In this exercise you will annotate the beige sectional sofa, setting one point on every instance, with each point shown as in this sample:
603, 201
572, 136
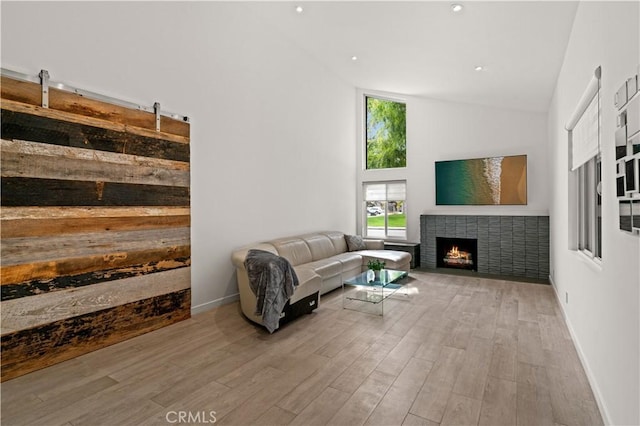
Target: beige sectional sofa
321, 260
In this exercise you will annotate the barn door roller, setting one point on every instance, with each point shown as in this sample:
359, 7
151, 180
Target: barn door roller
156, 108
44, 81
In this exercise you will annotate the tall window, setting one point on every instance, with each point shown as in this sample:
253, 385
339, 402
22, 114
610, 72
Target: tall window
584, 136
385, 210
386, 134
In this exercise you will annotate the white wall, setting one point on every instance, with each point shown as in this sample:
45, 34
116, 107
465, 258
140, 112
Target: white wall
272, 131
603, 309
439, 130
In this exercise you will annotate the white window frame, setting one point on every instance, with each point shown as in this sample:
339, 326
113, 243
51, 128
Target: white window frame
365, 227
589, 240
364, 175
585, 172
366, 95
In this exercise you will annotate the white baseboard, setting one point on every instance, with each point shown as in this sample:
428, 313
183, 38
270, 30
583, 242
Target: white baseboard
214, 304
585, 365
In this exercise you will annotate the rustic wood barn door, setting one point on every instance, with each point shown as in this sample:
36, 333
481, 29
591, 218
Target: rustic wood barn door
95, 224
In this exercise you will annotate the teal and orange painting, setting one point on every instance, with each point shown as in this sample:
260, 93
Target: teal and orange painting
482, 181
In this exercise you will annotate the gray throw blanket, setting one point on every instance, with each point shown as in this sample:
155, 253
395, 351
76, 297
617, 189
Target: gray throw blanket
272, 280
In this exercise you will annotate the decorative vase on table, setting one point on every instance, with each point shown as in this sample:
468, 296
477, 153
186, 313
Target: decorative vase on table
376, 266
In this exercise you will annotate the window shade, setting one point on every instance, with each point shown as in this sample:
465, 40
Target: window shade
584, 124
395, 191
585, 142
375, 192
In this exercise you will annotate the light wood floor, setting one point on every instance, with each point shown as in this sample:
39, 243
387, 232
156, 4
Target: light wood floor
458, 351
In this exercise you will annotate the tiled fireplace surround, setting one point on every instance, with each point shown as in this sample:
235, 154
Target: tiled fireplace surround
515, 246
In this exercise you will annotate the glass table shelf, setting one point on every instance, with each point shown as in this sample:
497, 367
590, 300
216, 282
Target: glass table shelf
367, 288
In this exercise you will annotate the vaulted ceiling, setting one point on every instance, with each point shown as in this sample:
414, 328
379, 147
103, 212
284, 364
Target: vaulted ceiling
423, 48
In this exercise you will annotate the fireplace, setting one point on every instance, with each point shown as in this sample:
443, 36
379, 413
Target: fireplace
509, 246
458, 253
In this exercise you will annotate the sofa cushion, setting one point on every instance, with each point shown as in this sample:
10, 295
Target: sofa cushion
392, 259
350, 261
338, 240
308, 283
355, 242
294, 249
320, 245
326, 267
374, 244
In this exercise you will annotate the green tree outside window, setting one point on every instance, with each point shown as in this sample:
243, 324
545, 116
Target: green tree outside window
386, 134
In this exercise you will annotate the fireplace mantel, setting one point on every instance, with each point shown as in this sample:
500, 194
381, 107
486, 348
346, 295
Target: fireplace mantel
507, 245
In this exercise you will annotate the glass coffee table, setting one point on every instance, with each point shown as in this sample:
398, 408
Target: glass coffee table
366, 291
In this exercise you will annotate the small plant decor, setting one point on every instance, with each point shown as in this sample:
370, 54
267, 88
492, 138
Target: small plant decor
375, 265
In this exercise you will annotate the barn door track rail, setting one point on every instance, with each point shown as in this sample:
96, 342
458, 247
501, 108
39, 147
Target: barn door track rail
43, 78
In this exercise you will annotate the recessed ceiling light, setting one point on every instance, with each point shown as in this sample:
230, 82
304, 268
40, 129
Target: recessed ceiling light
479, 68
354, 58
456, 7
299, 9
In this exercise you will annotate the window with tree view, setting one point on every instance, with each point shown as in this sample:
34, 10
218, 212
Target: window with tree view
386, 129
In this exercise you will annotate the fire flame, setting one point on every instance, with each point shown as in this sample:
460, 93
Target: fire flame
454, 253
